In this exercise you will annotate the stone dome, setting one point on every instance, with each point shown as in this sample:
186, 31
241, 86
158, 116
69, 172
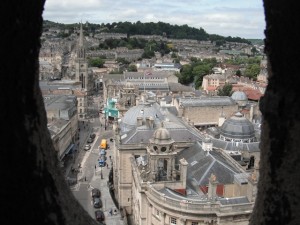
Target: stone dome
239, 96
161, 134
129, 85
143, 110
237, 128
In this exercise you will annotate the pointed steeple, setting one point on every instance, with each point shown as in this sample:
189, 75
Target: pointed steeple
80, 36
80, 47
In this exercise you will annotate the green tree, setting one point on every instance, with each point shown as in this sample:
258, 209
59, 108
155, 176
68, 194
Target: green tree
226, 90
132, 68
252, 71
199, 72
123, 61
253, 51
96, 62
185, 76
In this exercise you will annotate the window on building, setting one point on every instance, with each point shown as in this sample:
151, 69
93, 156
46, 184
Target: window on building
173, 220
157, 213
194, 223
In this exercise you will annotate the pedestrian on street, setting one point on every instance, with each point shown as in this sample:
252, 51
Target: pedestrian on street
110, 212
95, 167
107, 165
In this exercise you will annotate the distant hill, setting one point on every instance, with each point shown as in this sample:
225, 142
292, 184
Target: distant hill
256, 41
150, 28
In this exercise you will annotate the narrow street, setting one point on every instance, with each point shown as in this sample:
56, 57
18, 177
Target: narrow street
88, 174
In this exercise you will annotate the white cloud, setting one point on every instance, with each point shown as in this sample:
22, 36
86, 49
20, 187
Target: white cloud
230, 17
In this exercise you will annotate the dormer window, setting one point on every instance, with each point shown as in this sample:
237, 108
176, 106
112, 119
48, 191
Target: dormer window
163, 149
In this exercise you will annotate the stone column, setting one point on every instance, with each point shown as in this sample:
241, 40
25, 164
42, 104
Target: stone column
212, 187
149, 216
183, 172
162, 218
182, 221
169, 169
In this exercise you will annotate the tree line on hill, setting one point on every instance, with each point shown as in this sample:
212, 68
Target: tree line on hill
198, 68
190, 73
149, 28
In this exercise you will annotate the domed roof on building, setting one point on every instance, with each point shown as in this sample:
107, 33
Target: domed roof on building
239, 96
129, 85
143, 110
161, 134
237, 127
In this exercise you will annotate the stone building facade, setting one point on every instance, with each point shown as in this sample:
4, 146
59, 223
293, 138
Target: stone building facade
205, 111
166, 172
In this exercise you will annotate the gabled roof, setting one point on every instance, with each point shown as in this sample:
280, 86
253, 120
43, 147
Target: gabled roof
178, 132
231, 146
202, 164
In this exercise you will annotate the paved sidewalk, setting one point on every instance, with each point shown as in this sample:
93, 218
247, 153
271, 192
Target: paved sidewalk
100, 180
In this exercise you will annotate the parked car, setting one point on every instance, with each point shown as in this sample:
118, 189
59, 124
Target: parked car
97, 203
90, 140
99, 215
92, 136
102, 157
96, 193
87, 147
102, 152
102, 162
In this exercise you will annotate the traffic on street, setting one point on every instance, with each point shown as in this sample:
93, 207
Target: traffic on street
87, 169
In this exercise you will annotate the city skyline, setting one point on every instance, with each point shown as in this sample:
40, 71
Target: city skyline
234, 18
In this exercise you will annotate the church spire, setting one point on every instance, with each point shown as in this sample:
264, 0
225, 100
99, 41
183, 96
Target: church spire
80, 47
80, 36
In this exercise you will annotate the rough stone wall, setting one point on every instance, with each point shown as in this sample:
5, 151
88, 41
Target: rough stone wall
33, 189
278, 196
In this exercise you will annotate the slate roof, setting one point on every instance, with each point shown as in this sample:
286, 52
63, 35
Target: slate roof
237, 127
129, 121
207, 101
202, 164
177, 87
153, 74
231, 146
178, 132
132, 133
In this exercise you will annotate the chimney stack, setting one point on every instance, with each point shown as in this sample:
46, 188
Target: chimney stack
139, 121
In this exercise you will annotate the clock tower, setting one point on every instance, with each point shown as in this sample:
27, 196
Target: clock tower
162, 154
81, 64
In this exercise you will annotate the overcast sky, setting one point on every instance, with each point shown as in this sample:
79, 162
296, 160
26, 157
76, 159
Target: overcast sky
236, 18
